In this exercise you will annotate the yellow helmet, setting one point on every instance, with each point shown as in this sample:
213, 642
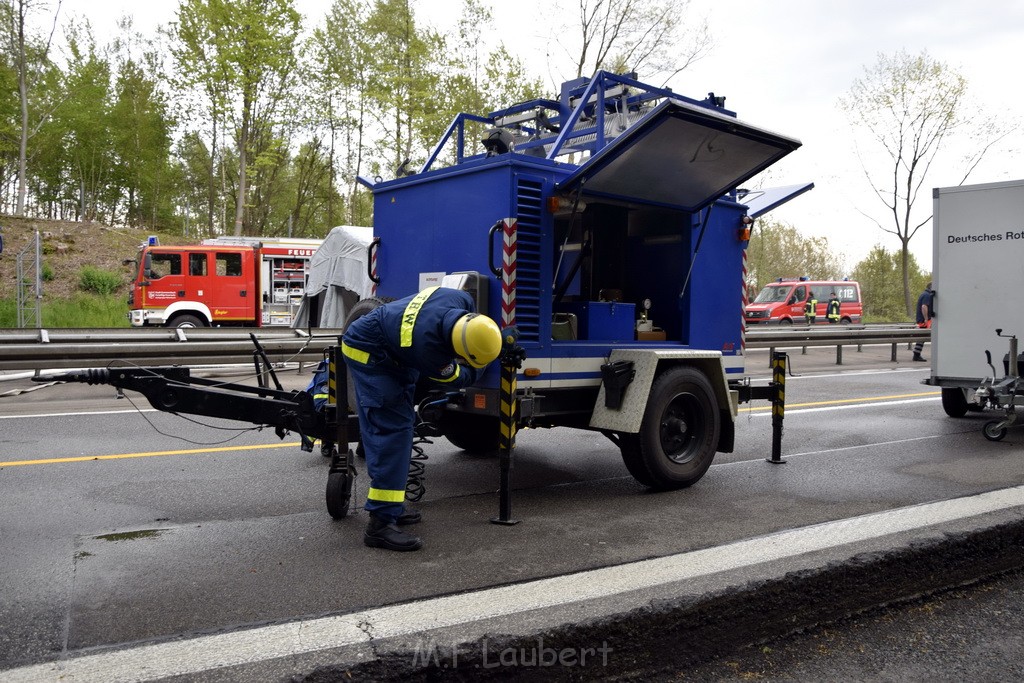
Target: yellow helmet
477, 339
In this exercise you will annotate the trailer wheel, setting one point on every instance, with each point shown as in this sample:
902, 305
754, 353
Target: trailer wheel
992, 430
954, 402
679, 432
472, 433
339, 493
186, 320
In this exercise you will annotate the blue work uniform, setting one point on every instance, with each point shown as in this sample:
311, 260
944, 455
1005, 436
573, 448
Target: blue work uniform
387, 351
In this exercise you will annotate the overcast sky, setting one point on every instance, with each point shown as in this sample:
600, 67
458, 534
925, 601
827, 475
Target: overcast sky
783, 64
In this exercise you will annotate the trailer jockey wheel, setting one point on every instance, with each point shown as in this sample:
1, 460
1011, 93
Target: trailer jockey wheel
339, 491
679, 432
992, 430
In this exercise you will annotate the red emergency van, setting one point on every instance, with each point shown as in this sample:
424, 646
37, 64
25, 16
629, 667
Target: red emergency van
782, 302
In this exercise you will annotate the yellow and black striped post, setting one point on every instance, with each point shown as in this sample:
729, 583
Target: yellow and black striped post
778, 405
508, 403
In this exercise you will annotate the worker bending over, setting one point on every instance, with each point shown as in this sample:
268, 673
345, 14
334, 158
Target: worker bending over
387, 350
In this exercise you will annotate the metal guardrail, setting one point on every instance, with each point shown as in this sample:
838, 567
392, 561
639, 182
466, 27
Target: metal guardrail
35, 349
81, 348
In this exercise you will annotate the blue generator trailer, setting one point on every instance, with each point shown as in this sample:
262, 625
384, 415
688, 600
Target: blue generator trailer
609, 228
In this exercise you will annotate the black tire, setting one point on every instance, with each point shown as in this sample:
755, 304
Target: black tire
362, 307
786, 321
992, 431
186, 320
476, 434
339, 494
954, 402
679, 433
845, 321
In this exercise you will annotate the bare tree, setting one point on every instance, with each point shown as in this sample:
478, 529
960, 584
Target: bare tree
906, 109
655, 39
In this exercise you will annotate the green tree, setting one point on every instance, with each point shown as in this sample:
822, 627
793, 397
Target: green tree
85, 123
906, 108
242, 53
880, 275
404, 79
142, 143
777, 250
337, 72
28, 56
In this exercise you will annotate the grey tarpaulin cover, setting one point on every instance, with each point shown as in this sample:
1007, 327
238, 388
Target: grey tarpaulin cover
338, 271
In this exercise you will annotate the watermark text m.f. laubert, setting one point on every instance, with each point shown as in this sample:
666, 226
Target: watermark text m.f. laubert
535, 654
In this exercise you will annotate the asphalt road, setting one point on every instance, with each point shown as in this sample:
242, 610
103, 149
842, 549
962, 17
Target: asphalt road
121, 525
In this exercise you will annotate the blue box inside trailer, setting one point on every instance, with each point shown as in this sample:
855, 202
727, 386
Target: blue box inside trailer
602, 320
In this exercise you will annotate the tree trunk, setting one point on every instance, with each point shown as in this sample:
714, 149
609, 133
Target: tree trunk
243, 142
23, 93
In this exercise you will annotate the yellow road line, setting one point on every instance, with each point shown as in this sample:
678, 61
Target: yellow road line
150, 454
840, 401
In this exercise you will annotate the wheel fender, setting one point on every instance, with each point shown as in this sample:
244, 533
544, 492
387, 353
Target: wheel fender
194, 307
648, 363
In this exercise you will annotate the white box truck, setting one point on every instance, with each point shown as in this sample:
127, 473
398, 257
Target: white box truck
977, 277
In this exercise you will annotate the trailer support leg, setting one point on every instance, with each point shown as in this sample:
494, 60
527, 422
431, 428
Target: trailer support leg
508, 402
778, 405
342, 472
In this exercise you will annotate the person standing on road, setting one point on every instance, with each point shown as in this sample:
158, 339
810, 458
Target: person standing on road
925, 313
811, 308
387, 350
833, 309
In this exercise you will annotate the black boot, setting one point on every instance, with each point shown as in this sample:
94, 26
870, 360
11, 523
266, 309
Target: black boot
919, 358
409, 516
380, 533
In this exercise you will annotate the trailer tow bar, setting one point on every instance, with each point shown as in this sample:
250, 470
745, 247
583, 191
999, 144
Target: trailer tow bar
511, 358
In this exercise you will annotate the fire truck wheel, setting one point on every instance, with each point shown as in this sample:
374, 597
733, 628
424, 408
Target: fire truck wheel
679, 432
992, 430
186, 320
954, 402
786, 321
472, 433
339, 493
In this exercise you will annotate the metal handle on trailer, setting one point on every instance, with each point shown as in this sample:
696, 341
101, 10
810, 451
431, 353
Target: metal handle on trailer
371, 251
490, 248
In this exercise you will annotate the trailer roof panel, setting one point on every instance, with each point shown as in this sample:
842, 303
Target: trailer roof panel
679, 155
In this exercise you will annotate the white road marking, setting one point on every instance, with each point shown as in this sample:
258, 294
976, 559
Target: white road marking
96, 412
184, 657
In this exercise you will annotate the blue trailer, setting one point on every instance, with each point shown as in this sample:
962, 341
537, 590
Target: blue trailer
610, 229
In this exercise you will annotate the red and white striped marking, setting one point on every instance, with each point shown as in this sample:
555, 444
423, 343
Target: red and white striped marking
508, 272
743, 310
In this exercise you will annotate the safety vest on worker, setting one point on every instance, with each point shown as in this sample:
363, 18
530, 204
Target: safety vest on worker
811, 308
833, 310
416, 333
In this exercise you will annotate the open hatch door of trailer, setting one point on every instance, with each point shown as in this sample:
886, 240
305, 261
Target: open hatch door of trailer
681, 156
760, 202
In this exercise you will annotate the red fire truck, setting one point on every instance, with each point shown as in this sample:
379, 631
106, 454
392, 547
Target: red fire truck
239, 281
